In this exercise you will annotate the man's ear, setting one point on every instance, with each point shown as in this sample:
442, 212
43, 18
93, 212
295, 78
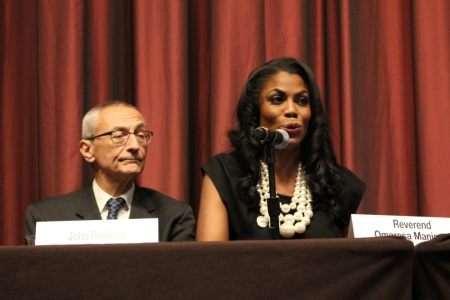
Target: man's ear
87, 150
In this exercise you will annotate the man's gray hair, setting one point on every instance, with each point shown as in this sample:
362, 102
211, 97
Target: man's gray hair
90, 121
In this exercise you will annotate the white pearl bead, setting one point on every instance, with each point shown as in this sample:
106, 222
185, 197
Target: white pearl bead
301, 207
298, 216
289, 218
285, 208
287, 230
309, 213
263, 210
292, 205
306, 220
261, 221
300, 227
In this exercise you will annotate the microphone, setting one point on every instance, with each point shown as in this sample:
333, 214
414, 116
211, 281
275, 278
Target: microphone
278, 138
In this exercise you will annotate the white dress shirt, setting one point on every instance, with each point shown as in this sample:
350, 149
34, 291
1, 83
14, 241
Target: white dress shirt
102, 197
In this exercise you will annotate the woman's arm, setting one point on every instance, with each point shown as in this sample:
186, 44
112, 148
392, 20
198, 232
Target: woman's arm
212, 223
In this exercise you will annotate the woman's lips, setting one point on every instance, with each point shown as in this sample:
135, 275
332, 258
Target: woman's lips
292, 128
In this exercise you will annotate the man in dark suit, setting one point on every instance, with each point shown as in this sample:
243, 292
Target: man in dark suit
115, 143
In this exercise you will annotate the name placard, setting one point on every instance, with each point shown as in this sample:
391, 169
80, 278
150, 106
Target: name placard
97, 232
415, 229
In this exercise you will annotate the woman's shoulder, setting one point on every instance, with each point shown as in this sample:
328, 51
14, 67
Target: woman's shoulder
353, 190
352, 179
222, 159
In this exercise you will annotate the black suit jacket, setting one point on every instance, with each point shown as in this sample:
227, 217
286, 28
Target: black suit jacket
176, 219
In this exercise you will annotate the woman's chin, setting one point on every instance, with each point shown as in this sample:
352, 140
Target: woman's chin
293, 145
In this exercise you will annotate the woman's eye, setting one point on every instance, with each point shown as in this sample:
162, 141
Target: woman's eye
276, 99
303, 101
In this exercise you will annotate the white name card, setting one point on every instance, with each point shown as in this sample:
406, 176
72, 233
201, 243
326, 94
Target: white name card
415, 229
97, 232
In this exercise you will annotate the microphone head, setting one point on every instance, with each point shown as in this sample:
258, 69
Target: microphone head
285, 141
260, 133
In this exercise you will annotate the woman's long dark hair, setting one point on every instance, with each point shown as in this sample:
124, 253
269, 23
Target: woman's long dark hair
317, 155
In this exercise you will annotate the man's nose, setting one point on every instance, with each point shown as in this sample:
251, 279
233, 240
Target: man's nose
133, 141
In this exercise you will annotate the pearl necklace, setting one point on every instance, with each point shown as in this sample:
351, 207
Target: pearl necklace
290, 223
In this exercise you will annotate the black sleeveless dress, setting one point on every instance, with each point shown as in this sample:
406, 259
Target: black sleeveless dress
225, 172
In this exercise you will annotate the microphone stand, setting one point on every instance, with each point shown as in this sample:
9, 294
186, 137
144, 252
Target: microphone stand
273, 203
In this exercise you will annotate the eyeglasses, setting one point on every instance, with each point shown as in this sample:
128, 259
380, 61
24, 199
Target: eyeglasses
120, 137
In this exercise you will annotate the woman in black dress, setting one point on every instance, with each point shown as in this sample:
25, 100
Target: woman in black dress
317, 195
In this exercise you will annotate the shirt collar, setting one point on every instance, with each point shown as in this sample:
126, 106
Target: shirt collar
102, 197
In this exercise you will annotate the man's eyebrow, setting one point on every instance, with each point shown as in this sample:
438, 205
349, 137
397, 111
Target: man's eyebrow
118, 128
138, 126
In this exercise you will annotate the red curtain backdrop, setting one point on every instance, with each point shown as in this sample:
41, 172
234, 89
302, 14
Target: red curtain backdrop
383, 68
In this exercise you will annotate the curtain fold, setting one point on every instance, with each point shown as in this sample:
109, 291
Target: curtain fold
383, 101
161, 92
19, 148
431, 76
382, 67
60, 95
